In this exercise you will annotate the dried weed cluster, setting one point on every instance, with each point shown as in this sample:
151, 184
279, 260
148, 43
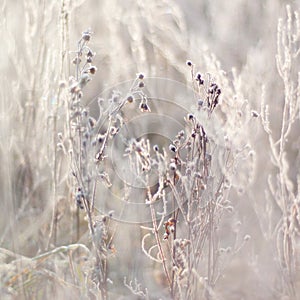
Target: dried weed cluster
198, 212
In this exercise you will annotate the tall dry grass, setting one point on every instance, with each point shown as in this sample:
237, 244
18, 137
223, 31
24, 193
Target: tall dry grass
126, 174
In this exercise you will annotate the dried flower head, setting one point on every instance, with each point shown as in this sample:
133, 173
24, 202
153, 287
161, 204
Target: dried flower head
172, 148
86, 35
199, 78
92, 70
140, 76
130, 98
76, 60
189, 63
200, 102
89, 56
155, 148
169, 227
144, 107
190, 117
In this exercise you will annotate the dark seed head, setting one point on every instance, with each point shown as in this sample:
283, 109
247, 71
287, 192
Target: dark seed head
141, 76
172, 148
130, 98
189, 63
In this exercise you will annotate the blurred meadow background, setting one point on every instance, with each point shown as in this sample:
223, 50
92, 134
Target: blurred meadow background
54, 243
